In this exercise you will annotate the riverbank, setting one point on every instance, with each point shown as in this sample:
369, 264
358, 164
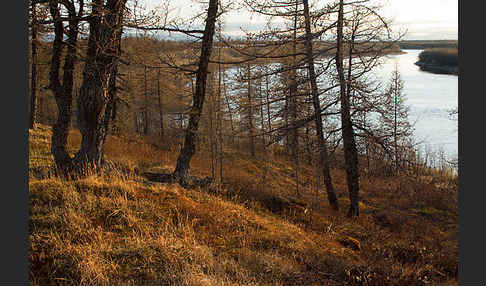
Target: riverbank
427, 44
439, 69
439, 60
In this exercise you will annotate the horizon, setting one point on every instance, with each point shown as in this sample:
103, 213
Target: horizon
433, 20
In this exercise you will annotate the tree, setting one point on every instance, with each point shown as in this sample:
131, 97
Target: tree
63, 91
96, 94
37, 16
323, 152
350, 152
395, 118
101, 59
33, 79
363, 36
188, 150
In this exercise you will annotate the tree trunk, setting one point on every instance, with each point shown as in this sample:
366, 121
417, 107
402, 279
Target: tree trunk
350, 152
93, 100
161, 114
146, 120
250, 114
63, 92
33, 79
188, 150
220, 120
110, 112
323, 153
212, 148
294, 135
232, 137
395, 117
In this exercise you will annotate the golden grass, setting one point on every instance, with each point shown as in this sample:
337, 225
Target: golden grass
110, 230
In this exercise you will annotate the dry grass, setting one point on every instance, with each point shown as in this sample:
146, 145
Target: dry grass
113, 230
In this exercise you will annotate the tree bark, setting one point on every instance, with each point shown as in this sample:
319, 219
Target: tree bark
294, 135
350, 152
250, 113
188, 150
63, 92
93, 100
33, 79
323, 152
145, 112
161, 114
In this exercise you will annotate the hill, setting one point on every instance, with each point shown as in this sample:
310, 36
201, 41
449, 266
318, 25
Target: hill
117, 228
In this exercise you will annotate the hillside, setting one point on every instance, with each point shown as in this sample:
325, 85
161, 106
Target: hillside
119, 229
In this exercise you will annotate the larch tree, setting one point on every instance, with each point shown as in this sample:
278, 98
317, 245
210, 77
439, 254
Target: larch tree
395, 119
95, 100
181, 172
323, 150
362, 36
63, 90
33, 79
350, 151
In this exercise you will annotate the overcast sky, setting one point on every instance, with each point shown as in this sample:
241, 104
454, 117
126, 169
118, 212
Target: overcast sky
423, 19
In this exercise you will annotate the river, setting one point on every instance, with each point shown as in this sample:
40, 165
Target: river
430, 97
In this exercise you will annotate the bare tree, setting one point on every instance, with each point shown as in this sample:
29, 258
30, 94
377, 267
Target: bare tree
161, 114
95, 95
33, 79
63, 91
350, 152
323, 152
181, 171
395, 119
106, 20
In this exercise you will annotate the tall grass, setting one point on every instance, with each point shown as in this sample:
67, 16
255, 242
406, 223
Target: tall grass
122, 230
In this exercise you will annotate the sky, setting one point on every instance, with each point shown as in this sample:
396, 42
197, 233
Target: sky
423, 19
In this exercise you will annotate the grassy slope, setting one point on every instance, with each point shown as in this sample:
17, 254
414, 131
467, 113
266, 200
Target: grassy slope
121, 230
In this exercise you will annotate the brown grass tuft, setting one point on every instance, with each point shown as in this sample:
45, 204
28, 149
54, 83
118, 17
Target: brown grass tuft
122, 230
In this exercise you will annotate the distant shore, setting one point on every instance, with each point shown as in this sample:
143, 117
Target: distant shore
427, 44
439, 60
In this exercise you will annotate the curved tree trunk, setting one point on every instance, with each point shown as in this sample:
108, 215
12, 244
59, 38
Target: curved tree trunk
323, 153
94, 111
188, 150
63, 93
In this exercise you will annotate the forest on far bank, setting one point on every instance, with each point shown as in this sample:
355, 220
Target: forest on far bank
439, 60
427, 44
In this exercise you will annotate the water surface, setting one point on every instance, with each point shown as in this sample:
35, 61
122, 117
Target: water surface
430, 97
